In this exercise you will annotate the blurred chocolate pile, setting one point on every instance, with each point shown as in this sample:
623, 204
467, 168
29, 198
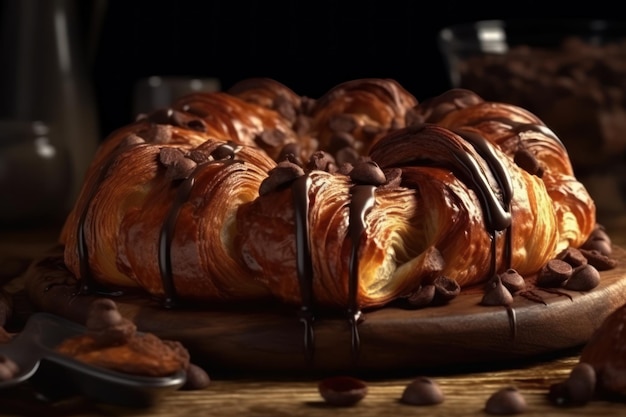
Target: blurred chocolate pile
579, 91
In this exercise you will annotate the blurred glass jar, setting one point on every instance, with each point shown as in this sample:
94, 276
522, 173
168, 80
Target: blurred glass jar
571, 73
35, 174
44, 84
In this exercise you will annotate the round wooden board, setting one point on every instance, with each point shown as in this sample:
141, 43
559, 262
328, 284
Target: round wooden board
391, 339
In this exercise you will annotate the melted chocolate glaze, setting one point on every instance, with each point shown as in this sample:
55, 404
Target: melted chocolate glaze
227, 154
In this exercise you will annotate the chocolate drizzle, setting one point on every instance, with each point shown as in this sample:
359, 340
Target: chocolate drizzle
361, 203
300, 189
226, 154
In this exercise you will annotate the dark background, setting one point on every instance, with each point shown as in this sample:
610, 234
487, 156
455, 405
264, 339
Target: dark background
309, 46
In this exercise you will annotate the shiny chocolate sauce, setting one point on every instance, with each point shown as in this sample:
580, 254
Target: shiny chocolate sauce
363, 199
224, 154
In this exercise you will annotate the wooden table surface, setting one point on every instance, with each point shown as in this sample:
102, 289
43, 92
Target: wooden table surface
465, 390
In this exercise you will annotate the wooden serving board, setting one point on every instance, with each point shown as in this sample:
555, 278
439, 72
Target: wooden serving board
271, 340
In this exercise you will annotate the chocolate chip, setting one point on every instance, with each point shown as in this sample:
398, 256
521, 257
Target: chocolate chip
584, 278
322, 161
132, 139
340, 140
572, 256
527, 161
346, 155
181, 119
285, 108
512, 280
224, 151
367, 172
554, 273
158, 134
422, 297
178, 167
506, 401
597, 259
599, 244
291, 152
577, 390
283, 174
446, 289
393, 178
197, 378
496, 294
343, 123
271, 137
106, 325
422, 391
342, 390
302, 124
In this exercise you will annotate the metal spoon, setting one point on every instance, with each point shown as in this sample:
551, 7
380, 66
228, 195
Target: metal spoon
33, 350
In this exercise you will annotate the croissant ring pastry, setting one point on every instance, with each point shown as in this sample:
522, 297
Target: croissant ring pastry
346, 202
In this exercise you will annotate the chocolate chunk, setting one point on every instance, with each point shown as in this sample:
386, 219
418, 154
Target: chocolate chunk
422, 391
424, 295
342, 390
340, 140
527, 161
577, 390
106, 325
271, 137
346, 155
291, 152
393, 177
512, 280
322, 161
157, 134
584, 278
506, 401
132, 139
224, 151
446, 289
599, 244
367, 172
197, 378
343, 123
178, 167
285, 108
554, 273
283, 174
597, 259
572, 256
496, 294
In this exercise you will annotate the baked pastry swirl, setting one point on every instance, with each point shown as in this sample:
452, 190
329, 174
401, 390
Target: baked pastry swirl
346, 202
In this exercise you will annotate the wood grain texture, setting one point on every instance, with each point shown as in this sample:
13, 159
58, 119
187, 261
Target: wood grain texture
270, 340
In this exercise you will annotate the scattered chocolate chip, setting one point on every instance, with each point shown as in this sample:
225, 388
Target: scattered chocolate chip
599, 244
367, 172
422, 297
340, 140
446, 289
496, 294
271, 137
322, 161
342, 390
132, 139
527, 161
512, 280
554, 274
597, 259
178, 167
291, 152
422, 391
284, 173
224, 151
106, 325
347, 155
393, 177
158, 134
578, 389
343, 123
285, 108
197, 378
506, 401
584, 278
572, 256
345, 168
